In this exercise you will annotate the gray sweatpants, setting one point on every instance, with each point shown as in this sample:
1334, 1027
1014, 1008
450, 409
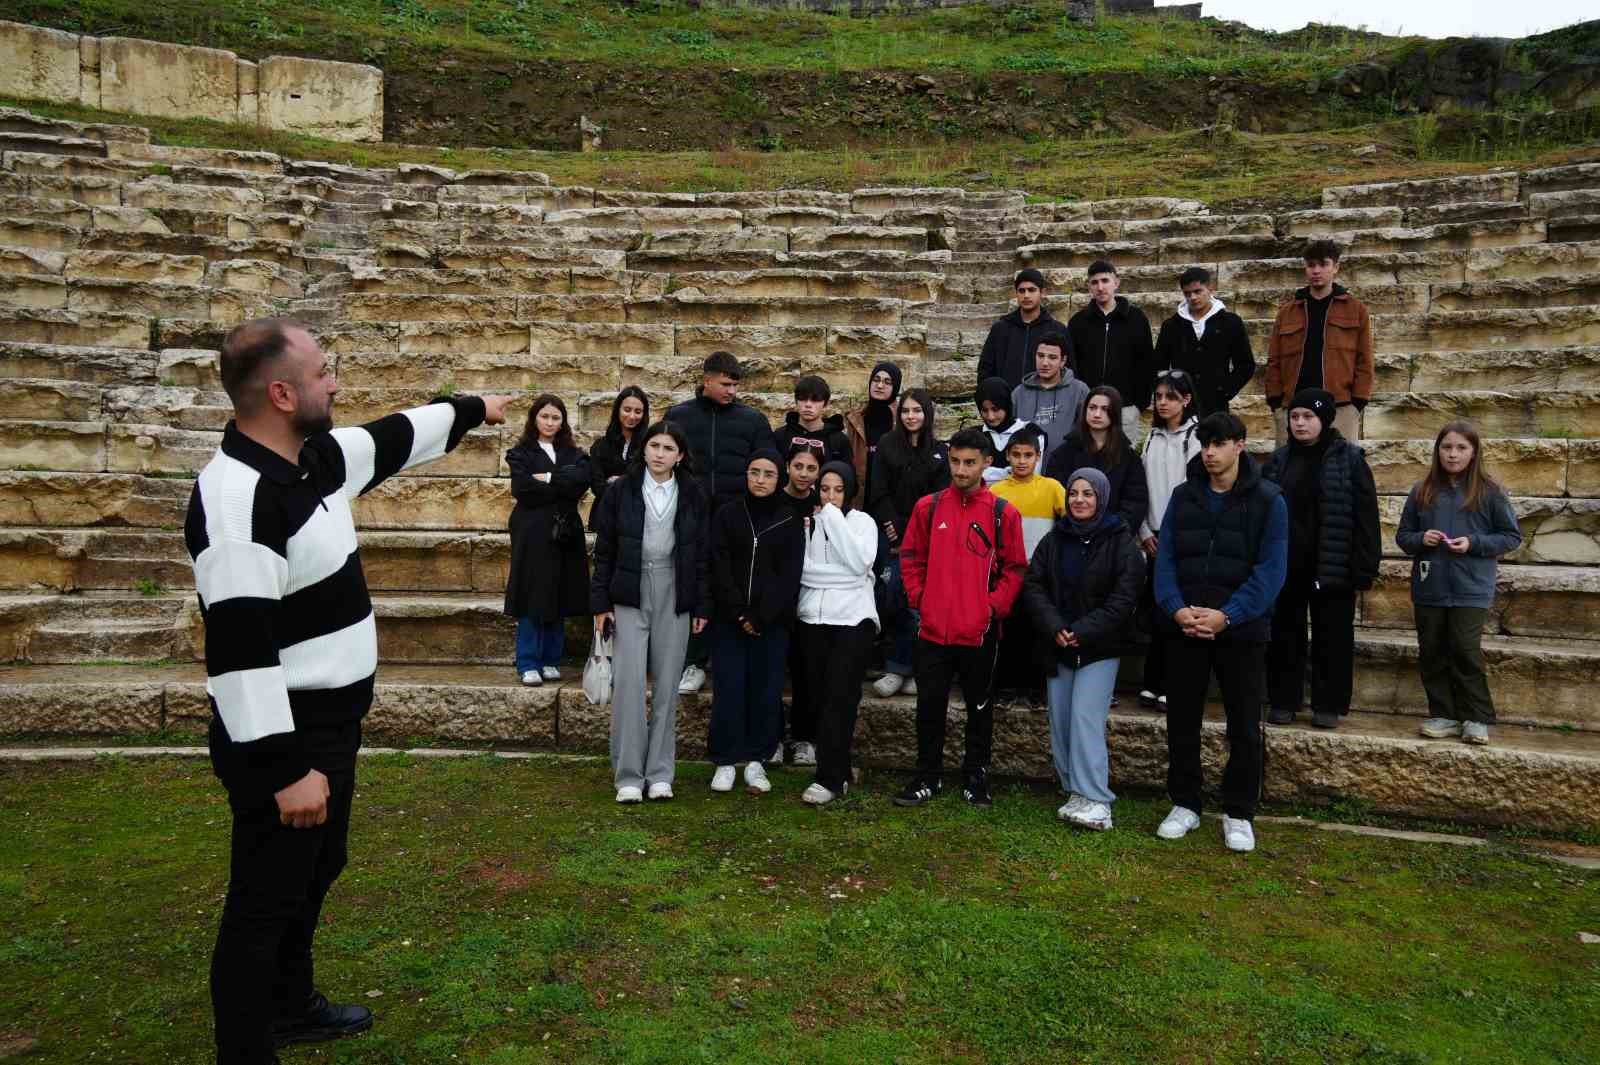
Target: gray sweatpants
1080, 702
655, 637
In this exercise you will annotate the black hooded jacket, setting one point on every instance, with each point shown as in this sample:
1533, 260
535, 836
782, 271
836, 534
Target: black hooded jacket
901, 475
1220, 362
835, 441
1008, 350
721, 439
1334, 537
757, 551
1114, 349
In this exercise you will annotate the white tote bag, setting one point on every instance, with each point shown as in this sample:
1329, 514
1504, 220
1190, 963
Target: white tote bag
597, 671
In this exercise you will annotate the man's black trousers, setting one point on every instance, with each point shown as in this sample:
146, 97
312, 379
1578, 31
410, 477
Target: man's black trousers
278, 876
1240, 668
1333, 648
937, 665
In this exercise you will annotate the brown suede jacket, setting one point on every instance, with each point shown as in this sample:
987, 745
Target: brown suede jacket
1347, 363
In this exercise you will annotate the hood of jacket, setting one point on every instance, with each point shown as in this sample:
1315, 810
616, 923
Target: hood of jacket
1031, 381
1217, 307
1304, 293
833, 423
1014, 318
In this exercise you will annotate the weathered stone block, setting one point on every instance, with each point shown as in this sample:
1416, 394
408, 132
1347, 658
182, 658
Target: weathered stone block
80, 709
339, 101
782, 342
135, 266
1583, 469
1527, 467
58, 401
63, 363
436, 503
174, 81
62, 499
32, 292
1503, 187
158, 449
66, 327
463, 711
842, 238
54, 445
39, 64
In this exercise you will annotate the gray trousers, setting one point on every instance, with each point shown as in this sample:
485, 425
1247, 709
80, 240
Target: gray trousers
653, 637
1080, 702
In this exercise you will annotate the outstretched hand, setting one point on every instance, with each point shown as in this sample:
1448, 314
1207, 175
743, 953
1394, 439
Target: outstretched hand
494, 409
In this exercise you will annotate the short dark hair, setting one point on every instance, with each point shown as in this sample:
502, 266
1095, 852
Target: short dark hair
1193, 274
1055, 337
1030, 435
971, 439
1101, 266
812, 387
1031, 275
1318, 250
1219, 426
245, 350
722, 362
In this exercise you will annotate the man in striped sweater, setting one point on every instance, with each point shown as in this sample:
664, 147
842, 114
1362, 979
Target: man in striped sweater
291, 651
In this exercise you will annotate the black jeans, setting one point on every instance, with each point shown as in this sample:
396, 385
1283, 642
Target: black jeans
1450, 658
805, 696
1155, 655
278, 876
1240, 666
836, 656
1332, 650
937, 665
746, 692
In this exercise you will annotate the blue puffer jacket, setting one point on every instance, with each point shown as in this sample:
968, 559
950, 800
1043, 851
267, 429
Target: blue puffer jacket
1439, 576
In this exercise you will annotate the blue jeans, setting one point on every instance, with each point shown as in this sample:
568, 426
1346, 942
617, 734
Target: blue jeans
539, 643
1080, 702
902, 632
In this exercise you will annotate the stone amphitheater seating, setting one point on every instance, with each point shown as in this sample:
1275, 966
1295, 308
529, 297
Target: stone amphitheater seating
122, 264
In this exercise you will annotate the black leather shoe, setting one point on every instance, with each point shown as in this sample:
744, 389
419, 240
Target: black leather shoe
1280, 717
321, 1021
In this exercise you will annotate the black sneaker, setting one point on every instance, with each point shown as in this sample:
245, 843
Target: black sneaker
321, 1021
918, 793
1276, 716
1324, 719
976, 789
1147, 699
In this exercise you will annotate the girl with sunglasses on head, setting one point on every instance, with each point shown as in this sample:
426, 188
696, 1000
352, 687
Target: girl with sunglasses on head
1168, 450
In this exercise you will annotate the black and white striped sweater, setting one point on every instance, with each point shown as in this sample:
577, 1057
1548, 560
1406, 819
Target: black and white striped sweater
291, 646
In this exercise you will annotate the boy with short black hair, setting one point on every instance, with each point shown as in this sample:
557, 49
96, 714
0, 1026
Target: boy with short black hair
1111, 346
973, 541
811, 421
1322, 338
1051, 396
1207, 341
1008, 349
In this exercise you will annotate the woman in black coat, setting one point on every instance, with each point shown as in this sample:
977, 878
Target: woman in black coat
549, 565
611, 454
1098, 440
1081, 593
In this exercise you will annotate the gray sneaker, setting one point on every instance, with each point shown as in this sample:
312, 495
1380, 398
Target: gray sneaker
1475, 732
1440, 728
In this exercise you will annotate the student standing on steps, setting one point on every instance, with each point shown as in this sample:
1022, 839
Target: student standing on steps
549, 579
1098, 441
802, 467
1082, 592
838, 623
757, 548
1219, 565
722, 433
652, 583
1008, 349
291, 656
1322, 338
1051, 396
867, 424
910, 464
999, 423
963, 561
610, 455
1208, 342
1169, 450
1111, 342
1334, 547
1456, 523
811, 422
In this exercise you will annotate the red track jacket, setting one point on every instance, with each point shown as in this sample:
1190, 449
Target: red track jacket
946, 561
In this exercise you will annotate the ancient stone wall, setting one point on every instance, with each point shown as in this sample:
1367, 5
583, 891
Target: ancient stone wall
339, 101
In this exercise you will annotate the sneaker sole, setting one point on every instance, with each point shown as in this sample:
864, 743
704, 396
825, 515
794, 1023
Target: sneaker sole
1440, 735
321, 1035
898, 801
1476, 741
1090, 826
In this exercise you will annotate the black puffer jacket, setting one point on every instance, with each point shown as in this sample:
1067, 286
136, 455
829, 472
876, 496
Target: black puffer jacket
1215, 553
606, 461
619, 547
1099, 607
1220, 362
1130, 493
901, 476
757, 552
1348, 542
1114, 349
1008, 349
721, 439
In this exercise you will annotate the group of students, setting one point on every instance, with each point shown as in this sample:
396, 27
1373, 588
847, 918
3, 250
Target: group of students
1032, 552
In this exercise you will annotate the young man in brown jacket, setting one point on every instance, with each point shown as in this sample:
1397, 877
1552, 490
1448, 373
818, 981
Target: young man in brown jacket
1322, 338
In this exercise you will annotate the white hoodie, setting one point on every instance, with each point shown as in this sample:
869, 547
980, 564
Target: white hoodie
999, 469
1199, 324
836, 580
1166, 465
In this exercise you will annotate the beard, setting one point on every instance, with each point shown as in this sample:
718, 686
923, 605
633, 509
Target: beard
307, 424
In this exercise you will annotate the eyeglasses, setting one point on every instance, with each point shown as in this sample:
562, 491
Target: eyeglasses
801, 442
881, 379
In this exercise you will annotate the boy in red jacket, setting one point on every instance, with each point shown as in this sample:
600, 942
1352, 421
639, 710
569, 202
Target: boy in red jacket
953, 535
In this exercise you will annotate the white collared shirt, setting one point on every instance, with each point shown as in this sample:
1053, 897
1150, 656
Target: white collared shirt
658, 495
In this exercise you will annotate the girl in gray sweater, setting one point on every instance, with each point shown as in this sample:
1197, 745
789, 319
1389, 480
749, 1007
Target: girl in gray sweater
1457, 522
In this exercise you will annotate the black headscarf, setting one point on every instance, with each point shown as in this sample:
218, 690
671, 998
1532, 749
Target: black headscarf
763, 509
998, 392
847, 474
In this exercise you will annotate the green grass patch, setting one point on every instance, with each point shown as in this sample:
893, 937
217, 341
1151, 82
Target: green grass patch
509, 912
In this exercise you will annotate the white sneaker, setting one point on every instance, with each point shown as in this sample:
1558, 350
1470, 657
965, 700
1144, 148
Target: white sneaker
1179, 823
551, 673
661, 790
1238, 834
803, 754
777, 755
532, 679
909, 687
1074, 803
723, 778
888, 685
1095, 816
1161, 701
1440, 728
755, 778
693, 679
817, 795
629, 794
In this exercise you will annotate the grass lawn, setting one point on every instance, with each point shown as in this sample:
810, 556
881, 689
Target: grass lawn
509, 912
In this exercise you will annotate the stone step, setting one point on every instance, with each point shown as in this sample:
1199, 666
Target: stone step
1561, 178
20, 120
1464, 211
1526, 776
52, 144
1561, 602
1503, 186
674, 262
1585, 227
